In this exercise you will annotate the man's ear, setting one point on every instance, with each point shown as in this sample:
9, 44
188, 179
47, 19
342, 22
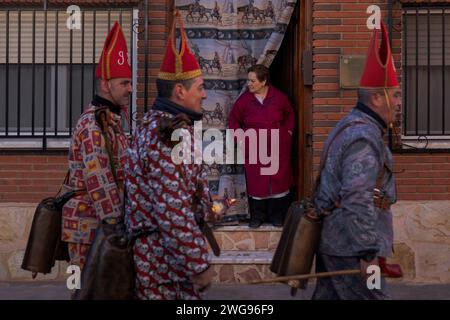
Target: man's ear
104, 86
178, 91
376, 99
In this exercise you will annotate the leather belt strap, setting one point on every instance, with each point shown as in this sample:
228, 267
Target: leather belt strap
382, 203
380, 199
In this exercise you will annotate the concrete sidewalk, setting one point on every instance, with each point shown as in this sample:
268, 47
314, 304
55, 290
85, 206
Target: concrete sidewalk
58, 291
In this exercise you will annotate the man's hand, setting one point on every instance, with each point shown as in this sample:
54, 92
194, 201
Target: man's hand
365, 264
168, 125
202, 281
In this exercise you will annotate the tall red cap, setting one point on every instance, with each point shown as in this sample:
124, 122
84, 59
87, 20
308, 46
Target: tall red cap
180, 65
114, 61
379, 71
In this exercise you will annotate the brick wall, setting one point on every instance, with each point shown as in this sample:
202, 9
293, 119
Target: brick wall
52, 3
423, 176
26, 177
159, 15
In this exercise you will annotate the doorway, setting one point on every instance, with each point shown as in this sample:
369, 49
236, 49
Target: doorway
286, 75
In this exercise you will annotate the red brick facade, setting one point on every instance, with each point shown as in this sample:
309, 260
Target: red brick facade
84, 3
338, 27
26, 177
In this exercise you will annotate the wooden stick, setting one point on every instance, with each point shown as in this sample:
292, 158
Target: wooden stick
307, 276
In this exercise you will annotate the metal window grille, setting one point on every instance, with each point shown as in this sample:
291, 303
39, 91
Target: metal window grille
47, 70
426, 71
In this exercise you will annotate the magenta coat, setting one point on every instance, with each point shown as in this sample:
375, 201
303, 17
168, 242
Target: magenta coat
275, 113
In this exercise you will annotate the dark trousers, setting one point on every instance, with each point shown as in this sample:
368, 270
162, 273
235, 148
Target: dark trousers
269, 210
348, 287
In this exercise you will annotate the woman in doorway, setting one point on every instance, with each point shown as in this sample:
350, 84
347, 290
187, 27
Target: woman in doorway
262, 106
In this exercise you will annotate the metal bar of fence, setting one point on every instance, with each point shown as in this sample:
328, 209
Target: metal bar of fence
82, 64
70, 79
33, 76
405, 72
93, 52
443, 71
146, 56
109, 19
36, 111
56, 71
131, 60
19, 49
432, 15
390, 22
7, 76
417, 71
428, 74
44, 138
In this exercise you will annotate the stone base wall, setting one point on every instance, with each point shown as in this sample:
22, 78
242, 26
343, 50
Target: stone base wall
422, 240
422, 244
15, 225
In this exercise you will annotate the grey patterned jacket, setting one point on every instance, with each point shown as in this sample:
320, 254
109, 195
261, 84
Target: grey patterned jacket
349, 176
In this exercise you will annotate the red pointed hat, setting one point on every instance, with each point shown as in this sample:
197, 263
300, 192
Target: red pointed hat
379, 71
180, 65
114, 60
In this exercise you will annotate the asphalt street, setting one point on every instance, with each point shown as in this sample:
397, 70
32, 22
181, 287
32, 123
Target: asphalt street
58, 291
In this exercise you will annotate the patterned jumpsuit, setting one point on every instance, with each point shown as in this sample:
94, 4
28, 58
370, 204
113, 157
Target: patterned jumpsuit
90, 170
160, 199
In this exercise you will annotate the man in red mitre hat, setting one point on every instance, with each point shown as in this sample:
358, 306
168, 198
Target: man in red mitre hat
166, 200
357, 186
97, 139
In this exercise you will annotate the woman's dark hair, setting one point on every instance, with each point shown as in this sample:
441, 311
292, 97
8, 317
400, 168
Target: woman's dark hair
262, 72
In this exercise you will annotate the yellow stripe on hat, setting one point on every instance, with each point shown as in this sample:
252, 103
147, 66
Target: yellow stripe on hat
108, 56
180, 75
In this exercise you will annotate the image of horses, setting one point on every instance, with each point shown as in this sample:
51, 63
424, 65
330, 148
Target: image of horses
226, 13
226, 59
217, 107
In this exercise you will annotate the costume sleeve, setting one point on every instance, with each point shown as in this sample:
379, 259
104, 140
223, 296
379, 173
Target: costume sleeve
100, 184
360, 165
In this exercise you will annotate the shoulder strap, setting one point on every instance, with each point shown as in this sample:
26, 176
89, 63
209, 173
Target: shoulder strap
325, 155
102, 119
65, 182
380, 176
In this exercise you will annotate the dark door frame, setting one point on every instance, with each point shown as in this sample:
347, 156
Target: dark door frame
305, 82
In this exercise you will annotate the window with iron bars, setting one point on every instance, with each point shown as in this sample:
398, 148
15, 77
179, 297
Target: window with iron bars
47, 71
426, 77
